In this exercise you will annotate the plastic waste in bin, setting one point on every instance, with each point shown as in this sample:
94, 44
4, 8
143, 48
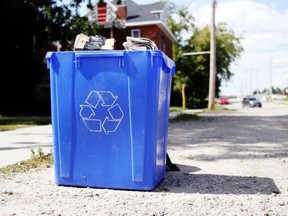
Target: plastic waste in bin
110, 112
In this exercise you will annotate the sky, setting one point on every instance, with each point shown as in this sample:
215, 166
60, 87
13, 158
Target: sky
263, 25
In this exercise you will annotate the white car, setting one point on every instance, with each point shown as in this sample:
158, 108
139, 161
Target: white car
251, 102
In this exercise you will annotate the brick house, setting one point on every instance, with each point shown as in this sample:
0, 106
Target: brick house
120, 19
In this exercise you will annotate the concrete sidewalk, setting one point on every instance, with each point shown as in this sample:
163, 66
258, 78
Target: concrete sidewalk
16, 145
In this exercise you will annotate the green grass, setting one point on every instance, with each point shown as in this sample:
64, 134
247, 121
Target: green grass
38, 159
173, 109
217, 108
184, 117
194, 117
281, 100
12, 123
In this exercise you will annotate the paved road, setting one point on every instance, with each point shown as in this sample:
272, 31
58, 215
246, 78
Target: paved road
268, 109
16, 145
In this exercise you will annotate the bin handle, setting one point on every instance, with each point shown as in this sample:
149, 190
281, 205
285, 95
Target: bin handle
168, 65
86, 54
99, 54
48, 59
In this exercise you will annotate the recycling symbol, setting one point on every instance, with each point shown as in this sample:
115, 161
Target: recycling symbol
101, 113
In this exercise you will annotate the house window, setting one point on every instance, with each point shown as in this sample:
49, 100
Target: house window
158, 14
135, 33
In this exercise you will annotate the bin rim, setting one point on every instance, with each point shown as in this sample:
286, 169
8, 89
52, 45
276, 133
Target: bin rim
169, 64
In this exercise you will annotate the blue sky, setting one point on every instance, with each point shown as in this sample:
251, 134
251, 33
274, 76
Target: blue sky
264, 26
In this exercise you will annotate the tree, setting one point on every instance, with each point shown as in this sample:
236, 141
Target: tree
185, 24
275, 90
193, 71
29, 27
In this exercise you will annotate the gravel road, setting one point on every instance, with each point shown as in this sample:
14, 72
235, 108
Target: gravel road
231, 163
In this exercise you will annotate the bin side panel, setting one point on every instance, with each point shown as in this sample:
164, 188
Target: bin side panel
61, 80
162, 125
138, 66
103, 123
160, 80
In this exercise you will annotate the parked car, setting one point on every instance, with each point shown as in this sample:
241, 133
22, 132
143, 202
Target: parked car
251, 102
223, 100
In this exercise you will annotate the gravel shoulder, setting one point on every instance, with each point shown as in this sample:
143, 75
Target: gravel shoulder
231, 163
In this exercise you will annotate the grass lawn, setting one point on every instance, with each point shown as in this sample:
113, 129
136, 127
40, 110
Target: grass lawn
12, 123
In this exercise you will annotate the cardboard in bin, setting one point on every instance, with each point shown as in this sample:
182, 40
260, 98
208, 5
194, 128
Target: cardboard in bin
110, 112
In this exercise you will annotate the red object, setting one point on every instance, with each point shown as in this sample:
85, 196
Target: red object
102, 12
223, 100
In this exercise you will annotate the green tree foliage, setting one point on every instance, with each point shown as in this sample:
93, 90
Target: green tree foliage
28, 29
275, 90
193, 70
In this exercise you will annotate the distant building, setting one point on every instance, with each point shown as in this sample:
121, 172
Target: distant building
120, 19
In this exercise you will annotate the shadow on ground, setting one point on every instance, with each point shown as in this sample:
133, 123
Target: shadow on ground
241, 137
190, 182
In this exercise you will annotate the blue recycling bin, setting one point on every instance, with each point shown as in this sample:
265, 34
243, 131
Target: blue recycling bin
110, 112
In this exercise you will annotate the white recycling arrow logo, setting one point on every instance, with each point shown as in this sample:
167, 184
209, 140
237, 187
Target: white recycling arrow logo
100, 113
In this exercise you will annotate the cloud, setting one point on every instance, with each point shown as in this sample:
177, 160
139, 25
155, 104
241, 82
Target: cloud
264, 28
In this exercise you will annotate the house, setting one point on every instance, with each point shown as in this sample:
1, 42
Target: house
119, 19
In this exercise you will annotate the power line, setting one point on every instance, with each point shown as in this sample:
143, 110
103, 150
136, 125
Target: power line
196, 53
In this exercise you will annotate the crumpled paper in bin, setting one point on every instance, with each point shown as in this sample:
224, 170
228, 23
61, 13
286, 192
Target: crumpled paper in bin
97, 42
135, 43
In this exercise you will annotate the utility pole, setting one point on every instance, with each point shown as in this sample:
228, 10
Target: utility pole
212, 72
271, 85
